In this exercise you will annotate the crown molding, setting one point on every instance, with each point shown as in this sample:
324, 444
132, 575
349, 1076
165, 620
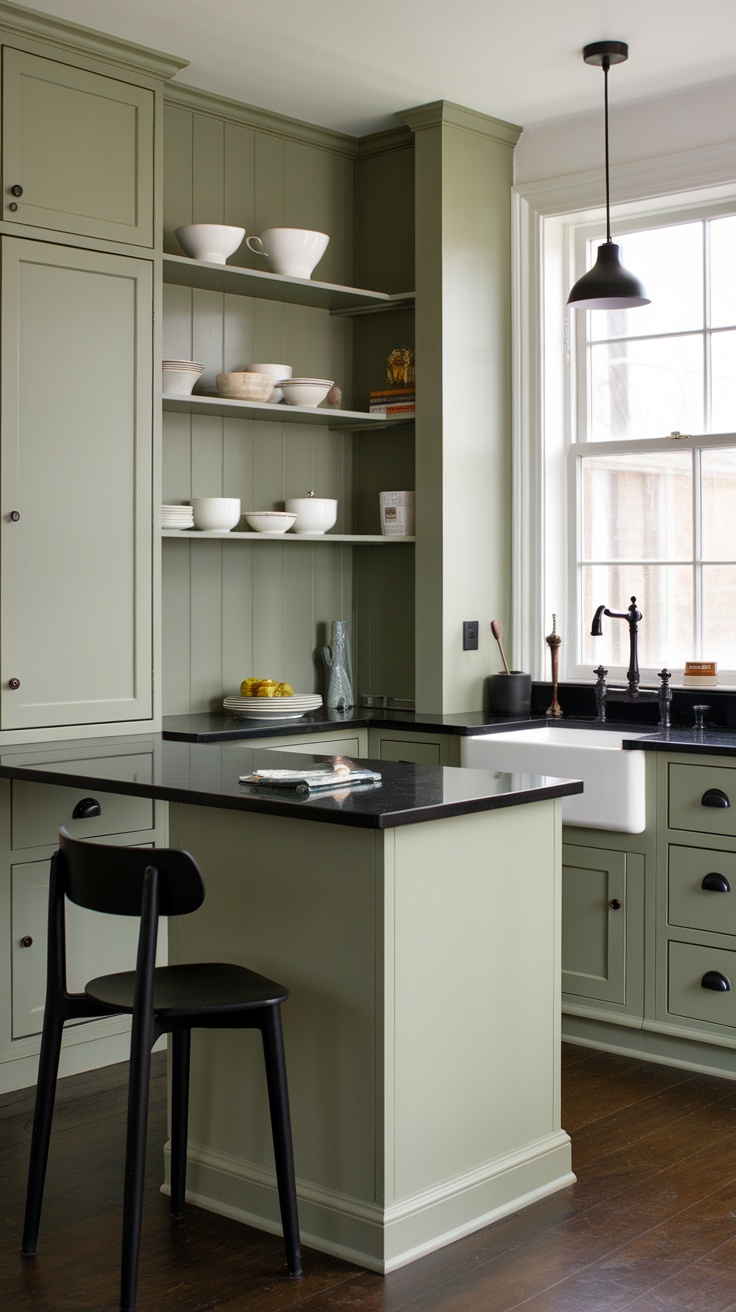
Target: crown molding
443, 113
181, 96
66, 37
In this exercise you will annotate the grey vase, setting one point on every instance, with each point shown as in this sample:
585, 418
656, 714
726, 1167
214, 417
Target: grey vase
337, 660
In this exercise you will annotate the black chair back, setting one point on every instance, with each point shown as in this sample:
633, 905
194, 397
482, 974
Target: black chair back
111, 879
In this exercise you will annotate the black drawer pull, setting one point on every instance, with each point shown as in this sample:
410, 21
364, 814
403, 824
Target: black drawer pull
715, 797
17, 190
715, 883
714, 980
614, 904
26, 941
86, 809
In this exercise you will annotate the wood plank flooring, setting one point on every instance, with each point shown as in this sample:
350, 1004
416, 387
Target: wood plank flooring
650, 1225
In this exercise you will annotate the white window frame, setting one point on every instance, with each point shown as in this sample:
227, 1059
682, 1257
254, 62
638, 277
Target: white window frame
548, 218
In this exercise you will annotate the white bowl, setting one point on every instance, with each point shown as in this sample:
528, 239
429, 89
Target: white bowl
305, 391
276, 371
216, 514
293, 252
270, 521
244, 386
179, 376
314, 514
209, 241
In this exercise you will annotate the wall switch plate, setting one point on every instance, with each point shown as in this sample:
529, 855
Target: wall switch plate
470, 635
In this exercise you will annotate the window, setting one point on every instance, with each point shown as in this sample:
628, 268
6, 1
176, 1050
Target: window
651, 453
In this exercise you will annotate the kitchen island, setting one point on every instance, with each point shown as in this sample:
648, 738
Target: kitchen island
417, 926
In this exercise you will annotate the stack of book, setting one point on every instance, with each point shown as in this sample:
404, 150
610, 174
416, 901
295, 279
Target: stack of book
392, 401
700, 674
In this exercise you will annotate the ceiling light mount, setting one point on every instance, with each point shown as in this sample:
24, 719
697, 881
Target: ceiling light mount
608, 285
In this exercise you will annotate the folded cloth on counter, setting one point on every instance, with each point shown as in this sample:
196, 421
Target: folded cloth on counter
310, 781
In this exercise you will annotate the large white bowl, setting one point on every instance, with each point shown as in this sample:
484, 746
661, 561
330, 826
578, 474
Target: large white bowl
305, 391
291, 251
276, 372
270, 521
209, 241
216, 514
314, 514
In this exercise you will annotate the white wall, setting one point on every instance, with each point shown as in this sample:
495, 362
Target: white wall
689, 120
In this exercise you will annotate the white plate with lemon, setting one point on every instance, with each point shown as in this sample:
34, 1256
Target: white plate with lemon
264, 699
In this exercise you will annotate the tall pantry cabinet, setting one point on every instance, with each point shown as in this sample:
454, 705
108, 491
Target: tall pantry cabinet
78, 628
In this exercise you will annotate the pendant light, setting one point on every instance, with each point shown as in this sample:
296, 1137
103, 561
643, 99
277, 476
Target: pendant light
608, 285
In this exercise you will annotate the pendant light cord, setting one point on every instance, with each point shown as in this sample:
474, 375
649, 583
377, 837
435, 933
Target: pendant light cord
606, 64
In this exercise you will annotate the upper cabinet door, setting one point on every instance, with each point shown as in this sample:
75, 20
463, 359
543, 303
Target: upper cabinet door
76, 478
77, 149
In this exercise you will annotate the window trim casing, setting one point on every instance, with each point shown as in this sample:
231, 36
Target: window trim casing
544, 215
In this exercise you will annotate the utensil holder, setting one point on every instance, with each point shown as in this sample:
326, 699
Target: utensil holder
339, 695
510, 694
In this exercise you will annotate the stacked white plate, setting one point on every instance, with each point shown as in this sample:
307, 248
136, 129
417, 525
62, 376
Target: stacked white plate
177, 517
273, 708
179, 376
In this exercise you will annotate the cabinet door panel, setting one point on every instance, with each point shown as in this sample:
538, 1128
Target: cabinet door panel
76, 467
594, 931
81, 146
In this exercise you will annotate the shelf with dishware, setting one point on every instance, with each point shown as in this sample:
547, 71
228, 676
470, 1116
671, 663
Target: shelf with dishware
205, 276
352, 539
219, 407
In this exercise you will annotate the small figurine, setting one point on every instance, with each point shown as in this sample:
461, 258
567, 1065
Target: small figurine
400, 367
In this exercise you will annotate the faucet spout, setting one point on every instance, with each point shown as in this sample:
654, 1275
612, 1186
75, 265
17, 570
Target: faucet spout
632, 616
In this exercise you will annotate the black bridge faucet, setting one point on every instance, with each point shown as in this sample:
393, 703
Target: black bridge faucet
632, 615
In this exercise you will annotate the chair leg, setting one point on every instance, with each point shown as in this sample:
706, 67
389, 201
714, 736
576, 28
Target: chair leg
48, 1068
180, 1052
135, 1163
278, 1098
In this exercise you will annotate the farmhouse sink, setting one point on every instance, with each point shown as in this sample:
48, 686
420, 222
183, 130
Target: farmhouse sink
613, 796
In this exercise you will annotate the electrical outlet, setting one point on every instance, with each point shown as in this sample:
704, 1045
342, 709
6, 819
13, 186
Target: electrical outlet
470, 635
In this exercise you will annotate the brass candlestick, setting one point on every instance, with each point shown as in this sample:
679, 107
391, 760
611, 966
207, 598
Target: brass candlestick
554, 642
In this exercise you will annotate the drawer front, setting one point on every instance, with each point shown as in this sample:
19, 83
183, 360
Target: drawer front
692, 788
324, 747
37, 810
688, 964
417, 751
693, 906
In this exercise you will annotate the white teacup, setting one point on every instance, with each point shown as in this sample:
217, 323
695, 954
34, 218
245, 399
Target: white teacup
292, 251
276, 371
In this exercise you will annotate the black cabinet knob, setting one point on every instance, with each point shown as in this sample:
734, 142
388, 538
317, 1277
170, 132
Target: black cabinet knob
12, 206
715, 797
715, 883
716, 982
86, 808
26, 941
614, 904
14, 684
17, 190
14, 515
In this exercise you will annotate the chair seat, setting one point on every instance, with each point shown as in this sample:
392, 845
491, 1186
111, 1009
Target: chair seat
191, 990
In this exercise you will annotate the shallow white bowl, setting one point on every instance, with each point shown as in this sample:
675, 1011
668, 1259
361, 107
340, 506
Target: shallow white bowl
213, 242
270, 521
305, 391
276, 371
179, 376
314, 514
216, 514
244, 386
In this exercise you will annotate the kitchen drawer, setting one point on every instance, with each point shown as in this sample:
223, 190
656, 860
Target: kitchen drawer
690, 787
694, 907
688, 963
324, 747
37, 810
417, 751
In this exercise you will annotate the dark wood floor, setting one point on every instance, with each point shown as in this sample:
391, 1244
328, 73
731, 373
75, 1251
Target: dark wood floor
650, 1225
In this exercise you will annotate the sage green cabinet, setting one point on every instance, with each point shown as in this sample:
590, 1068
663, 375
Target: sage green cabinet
79, 145
602, 929
76, 568
417, 748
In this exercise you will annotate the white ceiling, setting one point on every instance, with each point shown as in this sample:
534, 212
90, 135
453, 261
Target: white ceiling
352, 64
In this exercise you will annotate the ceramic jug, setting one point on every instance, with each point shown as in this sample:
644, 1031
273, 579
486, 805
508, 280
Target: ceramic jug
337, 660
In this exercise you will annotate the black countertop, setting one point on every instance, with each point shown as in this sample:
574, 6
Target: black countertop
207, 774
217, 726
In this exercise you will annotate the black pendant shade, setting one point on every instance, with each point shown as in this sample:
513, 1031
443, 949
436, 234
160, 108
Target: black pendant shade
608, 285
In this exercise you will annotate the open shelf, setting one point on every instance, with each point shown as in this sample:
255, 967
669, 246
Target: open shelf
355, 539
220, 408
183, 272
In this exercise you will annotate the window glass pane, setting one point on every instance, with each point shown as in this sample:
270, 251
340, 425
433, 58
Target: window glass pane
646, 388
723, 272
676, 303
723, 384
664, 595
719, 615
637, 506
718, 476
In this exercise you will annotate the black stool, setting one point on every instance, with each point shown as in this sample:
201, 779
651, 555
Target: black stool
129, 881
